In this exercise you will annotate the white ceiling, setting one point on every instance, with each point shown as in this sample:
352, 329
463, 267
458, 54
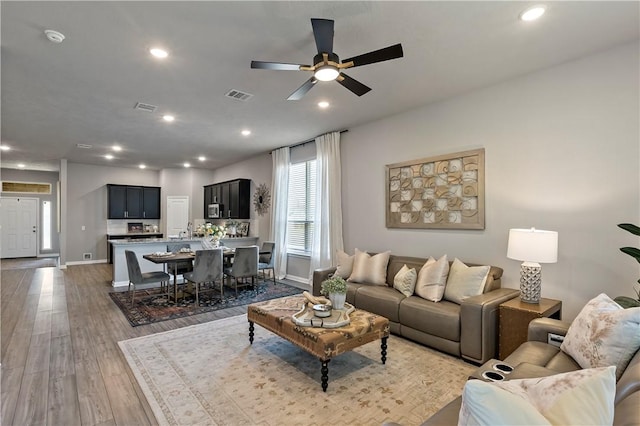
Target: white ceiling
83, 91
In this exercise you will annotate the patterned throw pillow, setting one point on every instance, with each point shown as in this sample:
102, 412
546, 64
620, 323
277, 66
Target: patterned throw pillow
432, 279
465, 281
370, 269
603, 334
345, 264
576, 398
405, 280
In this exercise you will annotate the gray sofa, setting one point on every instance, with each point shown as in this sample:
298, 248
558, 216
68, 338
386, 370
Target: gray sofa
468, 330
536, 358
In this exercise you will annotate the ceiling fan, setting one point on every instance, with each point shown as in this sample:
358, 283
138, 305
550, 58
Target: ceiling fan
326, 64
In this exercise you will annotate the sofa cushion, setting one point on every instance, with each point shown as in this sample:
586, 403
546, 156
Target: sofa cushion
405, 280
438, 319
603, 334
578, 397
370, 269
344, 266
465, 281
352, 288
543, 355
379, 300
432, 278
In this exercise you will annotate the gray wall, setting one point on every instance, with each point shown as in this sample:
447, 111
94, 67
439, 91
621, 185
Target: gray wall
87, 205
39, 177
562, 153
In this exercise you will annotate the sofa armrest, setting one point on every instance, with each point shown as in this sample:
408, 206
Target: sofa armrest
479, 324
320, 275
539, 328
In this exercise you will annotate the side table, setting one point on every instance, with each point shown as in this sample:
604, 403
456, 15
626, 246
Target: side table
514, 318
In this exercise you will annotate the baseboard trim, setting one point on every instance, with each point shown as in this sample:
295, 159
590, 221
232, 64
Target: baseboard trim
297, 279
85, 262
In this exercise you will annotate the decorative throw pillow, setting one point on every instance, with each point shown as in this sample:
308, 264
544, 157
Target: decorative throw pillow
345, 264
465, 281
432, 279
603, 334
575, 398
405, 280
370, 269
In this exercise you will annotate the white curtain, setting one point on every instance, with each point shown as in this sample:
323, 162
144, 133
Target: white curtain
280, 199
327, 229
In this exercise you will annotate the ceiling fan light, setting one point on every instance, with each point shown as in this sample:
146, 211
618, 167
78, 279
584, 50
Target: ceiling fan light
326, 73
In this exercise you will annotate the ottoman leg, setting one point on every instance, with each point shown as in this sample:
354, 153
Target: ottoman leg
251, 332
324, 374
383, 349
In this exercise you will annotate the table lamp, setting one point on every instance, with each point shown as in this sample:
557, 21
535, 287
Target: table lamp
532, 246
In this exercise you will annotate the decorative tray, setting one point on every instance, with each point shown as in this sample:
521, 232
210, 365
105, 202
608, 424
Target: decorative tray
338, 318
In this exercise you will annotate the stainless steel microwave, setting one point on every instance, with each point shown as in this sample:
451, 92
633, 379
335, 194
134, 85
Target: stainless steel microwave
214, 211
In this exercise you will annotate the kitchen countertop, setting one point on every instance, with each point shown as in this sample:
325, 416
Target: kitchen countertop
153, 241
134, 234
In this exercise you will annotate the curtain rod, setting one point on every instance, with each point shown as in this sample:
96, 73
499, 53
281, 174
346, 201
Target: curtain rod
306, 142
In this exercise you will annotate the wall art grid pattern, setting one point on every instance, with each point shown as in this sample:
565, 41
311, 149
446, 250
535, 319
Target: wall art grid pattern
442, 192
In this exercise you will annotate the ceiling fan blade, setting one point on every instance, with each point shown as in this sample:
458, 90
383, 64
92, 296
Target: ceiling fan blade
278, 66
302, 90
352, 84
323, 33
385, 54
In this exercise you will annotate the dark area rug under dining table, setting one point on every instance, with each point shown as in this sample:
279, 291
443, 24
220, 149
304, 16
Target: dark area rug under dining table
151, 305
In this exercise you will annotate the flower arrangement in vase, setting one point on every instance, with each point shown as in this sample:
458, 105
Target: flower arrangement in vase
212, 233
336, 288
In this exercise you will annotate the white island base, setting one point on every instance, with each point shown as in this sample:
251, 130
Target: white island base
152, 245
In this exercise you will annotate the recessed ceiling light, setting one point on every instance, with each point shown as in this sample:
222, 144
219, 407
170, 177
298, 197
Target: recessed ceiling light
323, 104
142, 166
21, 166
187, 165
246, 132
532, 13
168, 118
108, 157
159, 53
116, 148
54, 36
201, 158
4, 147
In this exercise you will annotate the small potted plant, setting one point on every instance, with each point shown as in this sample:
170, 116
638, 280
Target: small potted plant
232, 227
336, 288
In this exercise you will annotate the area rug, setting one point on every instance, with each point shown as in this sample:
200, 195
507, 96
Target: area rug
209, 374
152, 305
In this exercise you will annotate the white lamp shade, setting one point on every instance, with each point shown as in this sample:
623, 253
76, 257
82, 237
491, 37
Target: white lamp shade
533, 245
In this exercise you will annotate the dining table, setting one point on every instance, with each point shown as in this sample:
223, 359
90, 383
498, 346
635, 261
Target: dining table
182, 256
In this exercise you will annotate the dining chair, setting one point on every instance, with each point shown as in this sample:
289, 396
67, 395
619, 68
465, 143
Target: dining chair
207, 268
245, 265
267, 259
179, 268
137, 277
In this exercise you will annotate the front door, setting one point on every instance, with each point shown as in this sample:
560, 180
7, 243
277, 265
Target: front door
18, 232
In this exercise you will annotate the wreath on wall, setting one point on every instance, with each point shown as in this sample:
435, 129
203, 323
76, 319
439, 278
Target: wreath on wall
261, 199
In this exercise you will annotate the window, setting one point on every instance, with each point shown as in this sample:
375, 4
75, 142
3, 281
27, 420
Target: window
46, 225
301, 209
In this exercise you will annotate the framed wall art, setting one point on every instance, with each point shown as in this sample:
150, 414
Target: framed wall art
441, 192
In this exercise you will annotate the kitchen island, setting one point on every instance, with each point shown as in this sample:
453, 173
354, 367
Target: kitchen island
151, 245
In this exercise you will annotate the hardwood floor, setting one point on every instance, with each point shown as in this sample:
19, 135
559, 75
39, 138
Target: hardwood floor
61, 364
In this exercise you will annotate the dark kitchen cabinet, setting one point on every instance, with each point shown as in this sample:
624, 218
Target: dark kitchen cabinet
151, 202
133, 202
234, 196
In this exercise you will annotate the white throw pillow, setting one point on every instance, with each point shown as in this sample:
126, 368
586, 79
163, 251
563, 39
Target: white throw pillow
432, 279
370, 269
405, 280
603, 334
465, 281
345, 264
575, 398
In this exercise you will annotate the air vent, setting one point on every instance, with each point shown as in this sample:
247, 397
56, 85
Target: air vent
238, 95
145, 107
84, 146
